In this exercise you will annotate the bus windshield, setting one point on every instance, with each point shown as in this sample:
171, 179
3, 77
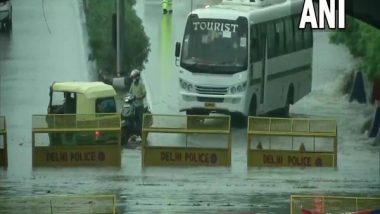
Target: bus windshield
215, 45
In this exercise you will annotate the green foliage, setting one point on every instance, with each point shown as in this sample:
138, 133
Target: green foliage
137, 46
363, 41
99, 26
372, 64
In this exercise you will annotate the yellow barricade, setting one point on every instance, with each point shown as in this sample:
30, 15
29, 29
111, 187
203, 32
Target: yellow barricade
3, 142
333, 204
76, 140
79, 204
291, 142
188, 136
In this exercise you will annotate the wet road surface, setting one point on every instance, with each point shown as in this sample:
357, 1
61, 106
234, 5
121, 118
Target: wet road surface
39, 52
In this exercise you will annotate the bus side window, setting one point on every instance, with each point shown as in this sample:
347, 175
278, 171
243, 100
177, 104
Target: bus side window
280, 38
289, 35
255, 44
298, 34
262, 28
271, 39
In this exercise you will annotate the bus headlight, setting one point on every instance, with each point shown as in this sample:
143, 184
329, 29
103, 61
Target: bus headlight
233, 90
190, 87
244, 86
185, 85
238, 88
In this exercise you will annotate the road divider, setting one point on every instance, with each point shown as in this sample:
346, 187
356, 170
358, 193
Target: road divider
291, 142
306, 204
86, 204
180, 140
76, 140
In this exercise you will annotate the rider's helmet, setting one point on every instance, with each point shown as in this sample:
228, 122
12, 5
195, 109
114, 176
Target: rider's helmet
135, 73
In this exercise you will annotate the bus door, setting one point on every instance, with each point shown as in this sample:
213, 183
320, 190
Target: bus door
258, 59
264, 52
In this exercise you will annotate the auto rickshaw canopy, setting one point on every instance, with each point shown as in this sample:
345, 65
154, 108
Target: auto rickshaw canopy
89, 89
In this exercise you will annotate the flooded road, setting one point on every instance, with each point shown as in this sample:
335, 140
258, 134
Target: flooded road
41, 51
46, 45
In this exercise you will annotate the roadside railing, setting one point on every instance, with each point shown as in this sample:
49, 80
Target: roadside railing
73, 140
302, 142
82, 204
174, 140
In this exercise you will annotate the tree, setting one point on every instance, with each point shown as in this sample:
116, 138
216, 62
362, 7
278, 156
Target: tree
99, 26
363, 41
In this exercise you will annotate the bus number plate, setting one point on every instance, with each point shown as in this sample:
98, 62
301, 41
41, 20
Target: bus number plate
210, 105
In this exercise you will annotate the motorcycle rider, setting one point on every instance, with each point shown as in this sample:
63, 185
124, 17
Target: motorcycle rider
138, 90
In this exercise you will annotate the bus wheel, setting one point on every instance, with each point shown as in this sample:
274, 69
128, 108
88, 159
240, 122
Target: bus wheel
240, 121
252, 107
284, 112
8, 23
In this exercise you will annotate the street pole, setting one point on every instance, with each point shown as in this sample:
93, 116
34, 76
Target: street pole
119, 35
122, 35
118, 38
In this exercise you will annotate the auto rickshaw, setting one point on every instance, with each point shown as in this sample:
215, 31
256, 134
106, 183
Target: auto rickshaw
76, 105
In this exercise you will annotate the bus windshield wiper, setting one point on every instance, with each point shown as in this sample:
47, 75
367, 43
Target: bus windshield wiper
200, 67
227, 69
221, 68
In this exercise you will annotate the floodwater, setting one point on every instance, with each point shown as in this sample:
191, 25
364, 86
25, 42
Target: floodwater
40, 51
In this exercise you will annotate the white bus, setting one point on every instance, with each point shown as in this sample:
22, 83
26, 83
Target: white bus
245, 58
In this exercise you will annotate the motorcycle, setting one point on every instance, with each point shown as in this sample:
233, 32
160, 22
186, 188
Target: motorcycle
128, 118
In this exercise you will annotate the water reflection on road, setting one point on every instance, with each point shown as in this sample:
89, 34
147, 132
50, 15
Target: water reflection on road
31, 58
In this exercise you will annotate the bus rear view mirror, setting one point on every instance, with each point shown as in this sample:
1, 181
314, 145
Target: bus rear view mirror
177, 49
